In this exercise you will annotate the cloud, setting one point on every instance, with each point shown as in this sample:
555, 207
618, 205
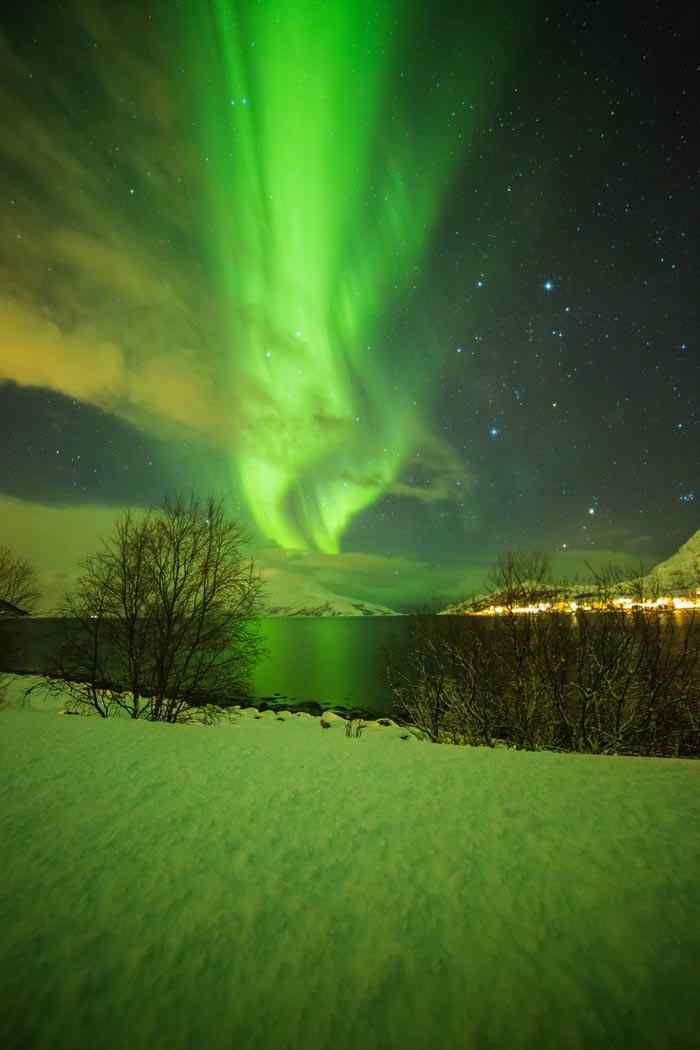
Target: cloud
35, 352
434, 473
103, 297
114, 266
54, 540
432, 493
399, 582
104, 294
160, 393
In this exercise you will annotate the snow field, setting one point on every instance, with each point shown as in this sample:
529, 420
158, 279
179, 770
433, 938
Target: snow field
272, 885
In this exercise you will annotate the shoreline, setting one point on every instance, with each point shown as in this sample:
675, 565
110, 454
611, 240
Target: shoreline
326, 715
274, 702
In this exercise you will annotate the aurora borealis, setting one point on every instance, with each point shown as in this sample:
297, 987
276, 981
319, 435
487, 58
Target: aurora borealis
323, 196
408, 283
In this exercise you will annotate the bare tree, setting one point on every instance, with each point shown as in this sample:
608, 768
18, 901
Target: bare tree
443, 680
18, 581
521, 578
474, 687
18, 586
417, 676
162, 615
608, 682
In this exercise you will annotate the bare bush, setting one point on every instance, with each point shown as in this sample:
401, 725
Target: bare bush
18, 581
18, 586
611, 682
161, 619
418, 677
521, 578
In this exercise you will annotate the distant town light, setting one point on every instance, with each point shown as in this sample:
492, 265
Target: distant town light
623, 602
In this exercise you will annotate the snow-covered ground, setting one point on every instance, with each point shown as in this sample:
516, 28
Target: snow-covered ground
275, 885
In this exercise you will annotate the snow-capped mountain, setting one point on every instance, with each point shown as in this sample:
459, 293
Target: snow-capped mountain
681, 572
457, 608
483, 601
293, 593
339, 606
677, 576
301, 597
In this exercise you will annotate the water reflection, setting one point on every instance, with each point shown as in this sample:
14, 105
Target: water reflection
332, 661
335, 660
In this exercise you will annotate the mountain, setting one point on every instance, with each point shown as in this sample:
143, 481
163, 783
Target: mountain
457, 608
677, 576
538, 592
296, 596
338, 606
681, 572
483, 601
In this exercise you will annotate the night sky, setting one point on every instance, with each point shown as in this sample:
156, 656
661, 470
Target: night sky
407, 283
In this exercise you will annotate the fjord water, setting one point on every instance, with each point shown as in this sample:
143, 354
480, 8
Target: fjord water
333, 660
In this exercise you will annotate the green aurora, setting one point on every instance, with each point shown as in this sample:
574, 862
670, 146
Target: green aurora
322, 196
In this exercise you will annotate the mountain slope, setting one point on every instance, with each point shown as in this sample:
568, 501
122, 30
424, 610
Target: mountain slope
676, 576
337, 606
303, 598
680, 572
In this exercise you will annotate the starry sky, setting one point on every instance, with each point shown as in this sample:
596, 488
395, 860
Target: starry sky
408, 284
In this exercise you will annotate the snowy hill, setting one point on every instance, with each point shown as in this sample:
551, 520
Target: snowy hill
676, 576
293, 593
338, 607
457, 608
275, 883
681, 572
483, 601
322, 602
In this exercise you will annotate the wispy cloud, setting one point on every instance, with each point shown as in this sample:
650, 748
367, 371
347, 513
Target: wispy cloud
104, 299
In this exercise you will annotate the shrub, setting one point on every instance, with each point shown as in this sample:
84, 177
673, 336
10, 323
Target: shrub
610, 682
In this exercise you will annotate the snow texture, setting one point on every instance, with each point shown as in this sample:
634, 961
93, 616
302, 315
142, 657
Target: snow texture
271, 884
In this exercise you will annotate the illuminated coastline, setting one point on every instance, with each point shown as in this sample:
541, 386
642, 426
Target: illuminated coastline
665, 603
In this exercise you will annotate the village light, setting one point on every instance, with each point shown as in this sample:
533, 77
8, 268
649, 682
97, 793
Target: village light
622, 602
685, 603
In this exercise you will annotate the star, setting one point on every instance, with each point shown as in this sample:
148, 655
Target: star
548, 286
